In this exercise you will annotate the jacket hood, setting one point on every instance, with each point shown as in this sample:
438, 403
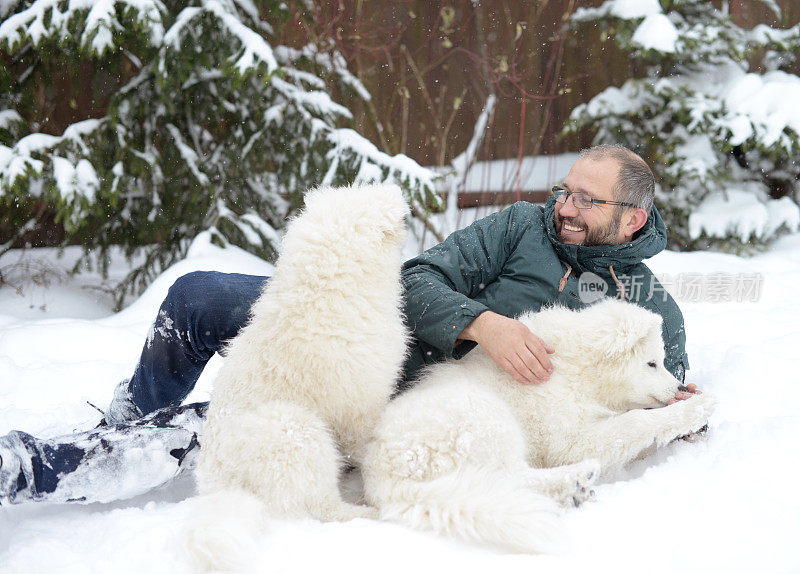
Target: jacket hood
648, 241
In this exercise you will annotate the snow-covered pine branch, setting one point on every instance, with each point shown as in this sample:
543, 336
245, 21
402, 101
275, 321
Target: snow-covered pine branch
212, 126
47, 20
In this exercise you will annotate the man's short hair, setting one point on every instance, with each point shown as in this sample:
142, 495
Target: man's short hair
635, 183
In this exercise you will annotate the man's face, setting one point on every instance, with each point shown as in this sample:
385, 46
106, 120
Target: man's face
595, 226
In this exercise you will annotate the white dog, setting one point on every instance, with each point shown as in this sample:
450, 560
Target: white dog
465, 452
306, 380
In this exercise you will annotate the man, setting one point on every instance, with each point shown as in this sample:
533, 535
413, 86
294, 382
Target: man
599, 226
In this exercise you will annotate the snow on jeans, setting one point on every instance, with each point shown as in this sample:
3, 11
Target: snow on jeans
201, 313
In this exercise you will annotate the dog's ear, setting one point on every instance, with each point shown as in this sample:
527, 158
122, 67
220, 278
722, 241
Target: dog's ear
618, 328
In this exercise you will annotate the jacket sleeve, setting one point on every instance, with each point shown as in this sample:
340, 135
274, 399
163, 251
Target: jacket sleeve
676, 360
441, 282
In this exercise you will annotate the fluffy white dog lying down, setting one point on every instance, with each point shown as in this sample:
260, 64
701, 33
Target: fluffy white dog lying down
305, 382
467, 451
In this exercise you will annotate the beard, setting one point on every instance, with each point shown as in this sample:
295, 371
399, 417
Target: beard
606, 235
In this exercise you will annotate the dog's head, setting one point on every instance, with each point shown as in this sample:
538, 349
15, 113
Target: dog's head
375, 212
627, 340
620, 347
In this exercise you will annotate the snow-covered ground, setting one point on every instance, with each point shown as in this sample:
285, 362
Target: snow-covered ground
724, 503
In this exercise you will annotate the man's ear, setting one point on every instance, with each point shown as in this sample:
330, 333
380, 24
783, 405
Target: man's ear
634, 220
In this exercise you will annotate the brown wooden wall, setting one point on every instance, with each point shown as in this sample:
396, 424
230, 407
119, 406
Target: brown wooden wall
430, 66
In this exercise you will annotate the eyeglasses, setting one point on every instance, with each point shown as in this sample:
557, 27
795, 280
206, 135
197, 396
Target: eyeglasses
582, 200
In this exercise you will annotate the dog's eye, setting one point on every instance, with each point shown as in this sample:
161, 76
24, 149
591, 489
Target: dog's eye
652, 364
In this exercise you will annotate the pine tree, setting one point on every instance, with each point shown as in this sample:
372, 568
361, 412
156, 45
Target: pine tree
718, 136
209, 125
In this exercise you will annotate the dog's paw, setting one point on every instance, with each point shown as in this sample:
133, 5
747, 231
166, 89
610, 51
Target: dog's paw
687, 417
586, 473
570, 485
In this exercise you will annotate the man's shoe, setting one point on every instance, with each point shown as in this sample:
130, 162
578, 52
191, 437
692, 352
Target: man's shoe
122, 408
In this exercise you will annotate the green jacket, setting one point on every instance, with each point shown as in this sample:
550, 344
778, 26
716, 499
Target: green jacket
511, 262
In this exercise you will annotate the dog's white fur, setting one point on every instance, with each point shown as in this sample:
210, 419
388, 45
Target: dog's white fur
307, 379
465, 452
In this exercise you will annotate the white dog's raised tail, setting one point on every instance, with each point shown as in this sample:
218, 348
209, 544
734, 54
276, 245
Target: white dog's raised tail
480, 506
223, 530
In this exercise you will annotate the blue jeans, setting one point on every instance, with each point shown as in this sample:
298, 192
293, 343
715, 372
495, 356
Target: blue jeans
202, 312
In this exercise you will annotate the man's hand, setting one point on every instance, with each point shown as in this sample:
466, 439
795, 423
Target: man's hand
511, 345
682, 395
